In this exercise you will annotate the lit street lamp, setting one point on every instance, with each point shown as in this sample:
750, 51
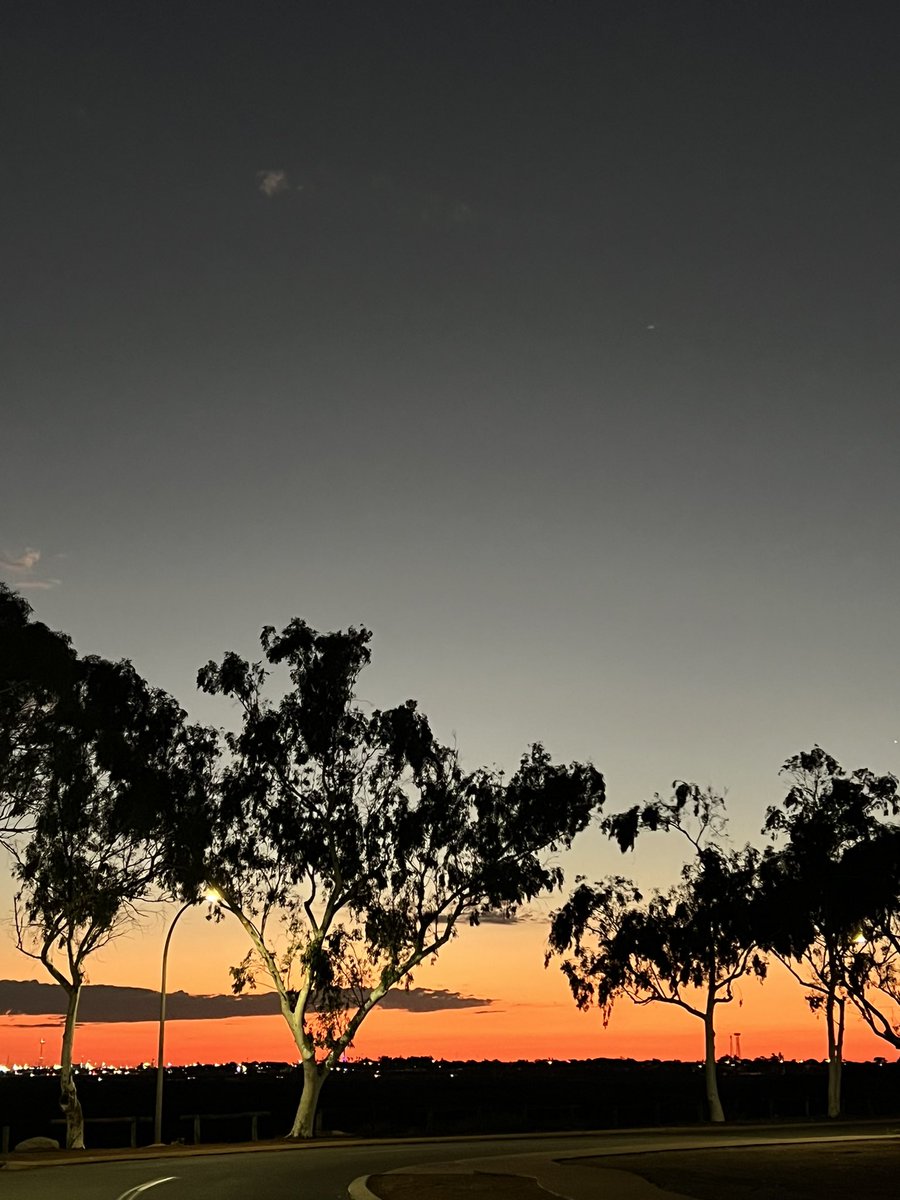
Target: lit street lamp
214, 898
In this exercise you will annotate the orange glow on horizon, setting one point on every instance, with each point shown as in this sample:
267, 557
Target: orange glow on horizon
532, 1015
526, 1032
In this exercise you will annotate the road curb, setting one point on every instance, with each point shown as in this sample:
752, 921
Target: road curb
177, 1151
358, 1189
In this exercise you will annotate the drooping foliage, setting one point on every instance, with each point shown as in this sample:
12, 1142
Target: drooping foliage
686, 946
101, 782
37, 668
829, 891
351, 844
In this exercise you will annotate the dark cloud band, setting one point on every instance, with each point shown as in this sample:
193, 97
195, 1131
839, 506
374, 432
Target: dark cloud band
107, 1003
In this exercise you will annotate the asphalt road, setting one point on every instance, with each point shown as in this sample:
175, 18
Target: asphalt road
324, 1172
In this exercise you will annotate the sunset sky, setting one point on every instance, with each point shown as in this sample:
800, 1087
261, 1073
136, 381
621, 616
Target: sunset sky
555, 342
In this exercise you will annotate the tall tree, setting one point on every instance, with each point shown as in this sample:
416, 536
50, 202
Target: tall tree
823, 886
872, 869
350, 846
115, 776
686, 946
37, 670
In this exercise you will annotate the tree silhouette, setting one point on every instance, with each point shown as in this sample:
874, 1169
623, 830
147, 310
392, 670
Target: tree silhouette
37, 669
351, 846
686, 946
822, 887
873, 984
113, 780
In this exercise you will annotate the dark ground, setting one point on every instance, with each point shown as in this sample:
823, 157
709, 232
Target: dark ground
422, 1098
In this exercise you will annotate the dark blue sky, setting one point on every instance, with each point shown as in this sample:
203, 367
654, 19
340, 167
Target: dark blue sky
555, 342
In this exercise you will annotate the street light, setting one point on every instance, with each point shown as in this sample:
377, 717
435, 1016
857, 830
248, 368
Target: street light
213, 897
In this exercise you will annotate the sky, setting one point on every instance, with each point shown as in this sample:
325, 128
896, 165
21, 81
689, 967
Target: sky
554, 342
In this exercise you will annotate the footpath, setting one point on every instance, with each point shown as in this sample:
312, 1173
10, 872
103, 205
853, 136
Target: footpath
521, 1177
864, 1162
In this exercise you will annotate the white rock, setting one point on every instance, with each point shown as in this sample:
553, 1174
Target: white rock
37, 1143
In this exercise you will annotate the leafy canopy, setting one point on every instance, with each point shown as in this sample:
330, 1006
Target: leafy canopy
351, 843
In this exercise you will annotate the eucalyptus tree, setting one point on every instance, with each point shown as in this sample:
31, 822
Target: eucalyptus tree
830, 884
37, 668
873, 982
686, 946
117, 784
351, 845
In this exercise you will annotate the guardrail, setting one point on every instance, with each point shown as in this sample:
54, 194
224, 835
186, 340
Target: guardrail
196, 1118
131, 1121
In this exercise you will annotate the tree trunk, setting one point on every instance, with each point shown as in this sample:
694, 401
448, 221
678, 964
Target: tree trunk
305, 1121
716, 1112
834, 1019
68, 1095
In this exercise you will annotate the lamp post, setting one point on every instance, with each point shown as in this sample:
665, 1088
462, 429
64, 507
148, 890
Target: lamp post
213, 897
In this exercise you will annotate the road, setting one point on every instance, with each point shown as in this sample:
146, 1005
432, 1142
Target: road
323, 1172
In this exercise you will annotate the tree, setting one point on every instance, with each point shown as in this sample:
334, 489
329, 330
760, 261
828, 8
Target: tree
687, 946
873, 983
37, 667
822, 887
115, 776
350, 846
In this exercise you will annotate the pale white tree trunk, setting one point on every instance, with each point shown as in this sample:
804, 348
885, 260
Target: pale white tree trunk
315, 1072
716, 1112
305, 1120
834, 1019
68, 1095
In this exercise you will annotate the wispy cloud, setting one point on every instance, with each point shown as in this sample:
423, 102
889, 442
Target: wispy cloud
439, 210
23, 570
272, 182
381, 193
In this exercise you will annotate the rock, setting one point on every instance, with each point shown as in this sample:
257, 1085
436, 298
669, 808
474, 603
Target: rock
37, 1143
